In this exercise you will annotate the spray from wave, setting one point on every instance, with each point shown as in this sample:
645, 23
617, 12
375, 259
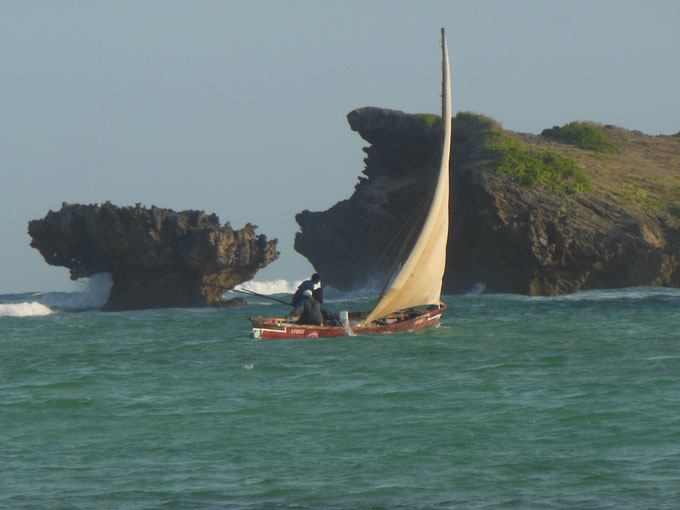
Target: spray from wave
476, 290
91, 294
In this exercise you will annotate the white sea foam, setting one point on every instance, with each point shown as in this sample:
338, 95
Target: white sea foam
630, 293
27, 309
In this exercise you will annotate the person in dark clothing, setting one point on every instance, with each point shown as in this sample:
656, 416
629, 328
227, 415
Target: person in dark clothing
309, 310
314, 284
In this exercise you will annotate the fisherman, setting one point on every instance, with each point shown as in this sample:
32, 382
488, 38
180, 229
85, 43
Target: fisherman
314, 284
309, 310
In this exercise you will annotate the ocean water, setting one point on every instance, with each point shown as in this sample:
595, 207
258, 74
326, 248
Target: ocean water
514, 402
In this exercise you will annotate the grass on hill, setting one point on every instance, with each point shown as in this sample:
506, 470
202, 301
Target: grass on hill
584, 135
530, 166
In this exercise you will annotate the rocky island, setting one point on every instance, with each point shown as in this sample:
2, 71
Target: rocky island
578, 207
157, 258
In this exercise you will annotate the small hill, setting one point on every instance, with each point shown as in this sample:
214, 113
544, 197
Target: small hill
581, 206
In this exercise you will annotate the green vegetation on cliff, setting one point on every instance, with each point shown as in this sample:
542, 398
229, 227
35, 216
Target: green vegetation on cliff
428, 118
533, 166
584, 135
530, 166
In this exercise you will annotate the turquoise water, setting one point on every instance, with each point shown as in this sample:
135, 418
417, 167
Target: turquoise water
514, 402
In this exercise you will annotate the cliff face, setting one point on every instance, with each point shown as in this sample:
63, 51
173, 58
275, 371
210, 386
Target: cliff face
157, 258
353, 242
530, 214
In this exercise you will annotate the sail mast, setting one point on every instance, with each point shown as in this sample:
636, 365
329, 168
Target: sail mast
420, 280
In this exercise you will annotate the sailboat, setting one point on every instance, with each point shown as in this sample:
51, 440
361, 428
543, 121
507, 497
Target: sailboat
413, 299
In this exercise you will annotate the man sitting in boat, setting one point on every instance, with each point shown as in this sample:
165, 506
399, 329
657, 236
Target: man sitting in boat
314, 284
309, 310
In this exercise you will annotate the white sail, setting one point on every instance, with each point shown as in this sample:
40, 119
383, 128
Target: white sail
420, 280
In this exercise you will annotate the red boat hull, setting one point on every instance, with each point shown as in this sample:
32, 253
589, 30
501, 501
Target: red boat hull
408, 320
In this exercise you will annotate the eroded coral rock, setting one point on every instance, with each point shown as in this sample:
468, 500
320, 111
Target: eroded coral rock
157, 258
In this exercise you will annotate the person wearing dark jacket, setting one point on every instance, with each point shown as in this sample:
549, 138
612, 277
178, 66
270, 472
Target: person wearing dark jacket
314, 284
309, 310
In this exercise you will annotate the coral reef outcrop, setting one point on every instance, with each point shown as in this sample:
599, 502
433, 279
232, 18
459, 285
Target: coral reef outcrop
157, 258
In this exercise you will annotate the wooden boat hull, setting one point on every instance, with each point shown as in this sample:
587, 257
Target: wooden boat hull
412, 319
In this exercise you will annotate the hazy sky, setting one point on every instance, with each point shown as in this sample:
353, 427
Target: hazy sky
238, 107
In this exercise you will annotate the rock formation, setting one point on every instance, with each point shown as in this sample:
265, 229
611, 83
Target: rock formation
157, 258
530, 214
353, 242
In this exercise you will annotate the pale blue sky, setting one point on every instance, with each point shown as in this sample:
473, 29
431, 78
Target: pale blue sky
238, 107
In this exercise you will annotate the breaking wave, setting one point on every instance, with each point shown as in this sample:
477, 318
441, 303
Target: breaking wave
281, 286
26, 309
90, 294
271, 287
